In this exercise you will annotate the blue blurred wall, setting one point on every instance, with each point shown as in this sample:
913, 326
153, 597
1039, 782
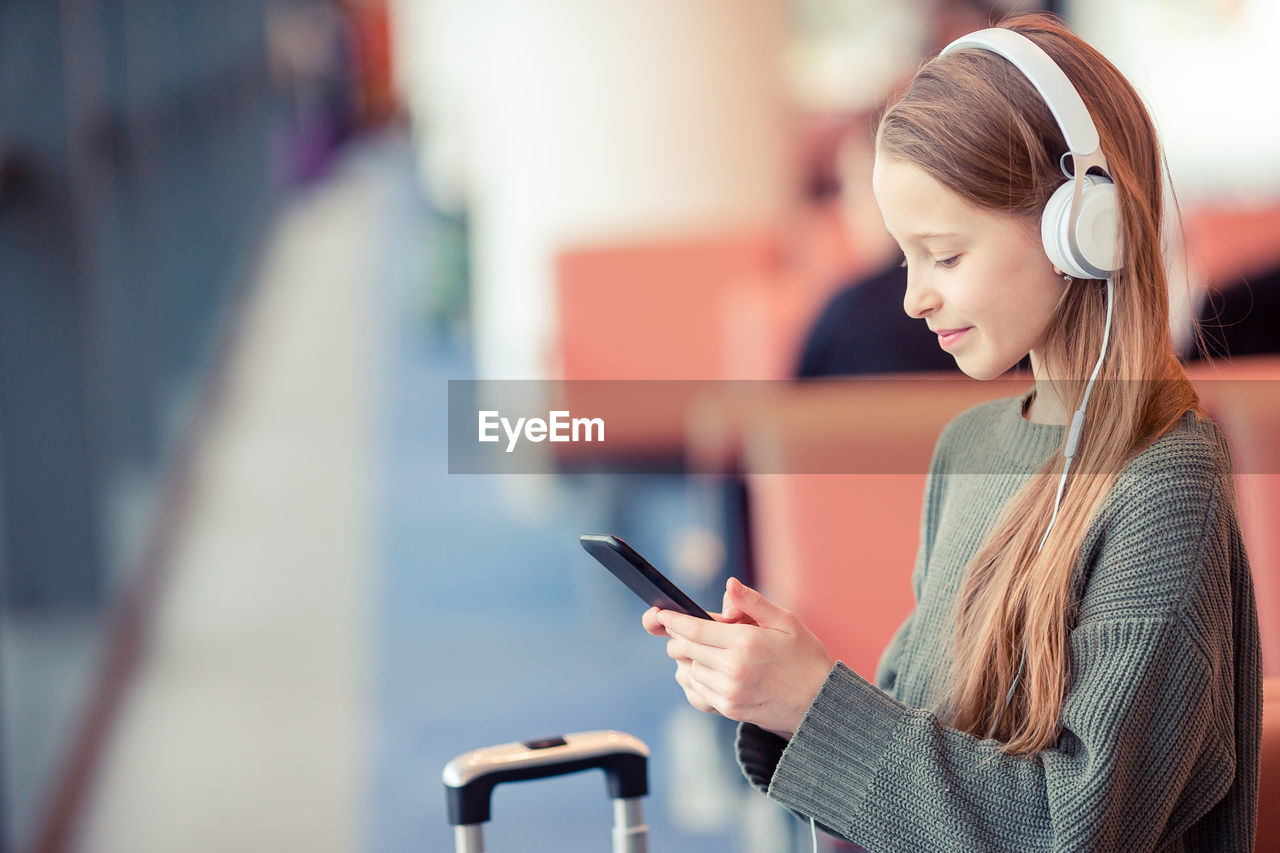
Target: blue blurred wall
136, 151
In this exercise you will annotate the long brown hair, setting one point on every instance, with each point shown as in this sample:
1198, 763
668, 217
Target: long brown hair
976, 125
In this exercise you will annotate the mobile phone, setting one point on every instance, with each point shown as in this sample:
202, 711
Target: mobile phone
637, 573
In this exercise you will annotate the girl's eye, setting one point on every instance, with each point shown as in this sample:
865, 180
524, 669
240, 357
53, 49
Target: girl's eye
948, 263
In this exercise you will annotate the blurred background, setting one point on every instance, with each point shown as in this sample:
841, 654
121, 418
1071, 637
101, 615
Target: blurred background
245, 245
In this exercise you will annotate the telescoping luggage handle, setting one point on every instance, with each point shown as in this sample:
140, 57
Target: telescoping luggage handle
470, 778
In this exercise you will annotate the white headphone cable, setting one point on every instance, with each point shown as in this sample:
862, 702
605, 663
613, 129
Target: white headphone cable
1073, 438
1077, 421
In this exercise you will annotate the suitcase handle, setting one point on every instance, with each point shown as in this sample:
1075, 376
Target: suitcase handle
470, 778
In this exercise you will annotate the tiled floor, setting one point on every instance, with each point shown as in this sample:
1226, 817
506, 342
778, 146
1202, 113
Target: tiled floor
345, 616
247, 726
46, 661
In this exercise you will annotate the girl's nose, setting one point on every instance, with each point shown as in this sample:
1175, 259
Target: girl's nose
920, 300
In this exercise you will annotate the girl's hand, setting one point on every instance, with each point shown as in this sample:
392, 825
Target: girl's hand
652, 623
731, 613
757, 663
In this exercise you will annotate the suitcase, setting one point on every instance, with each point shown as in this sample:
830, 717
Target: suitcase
470, 778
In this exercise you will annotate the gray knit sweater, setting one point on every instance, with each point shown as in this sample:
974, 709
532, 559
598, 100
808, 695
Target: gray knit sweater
1162, 721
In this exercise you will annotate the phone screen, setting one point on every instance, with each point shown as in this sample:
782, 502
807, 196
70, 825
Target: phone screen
638, 574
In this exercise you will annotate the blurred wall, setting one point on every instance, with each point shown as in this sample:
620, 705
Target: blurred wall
134, 174
136, 164
1207, 72
567, 122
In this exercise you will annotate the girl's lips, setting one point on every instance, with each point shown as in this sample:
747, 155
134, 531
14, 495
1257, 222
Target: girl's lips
948, 337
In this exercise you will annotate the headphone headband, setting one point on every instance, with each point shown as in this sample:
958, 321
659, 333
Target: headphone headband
1088, 247
1037, 66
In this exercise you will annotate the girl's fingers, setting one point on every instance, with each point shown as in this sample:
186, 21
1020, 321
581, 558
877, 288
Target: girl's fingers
733, 617
721, 660
698, 630
731, 611
692, 692
651, 623
710, 699
710, 682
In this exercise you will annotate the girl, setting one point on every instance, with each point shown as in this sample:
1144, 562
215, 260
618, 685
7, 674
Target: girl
1082, 669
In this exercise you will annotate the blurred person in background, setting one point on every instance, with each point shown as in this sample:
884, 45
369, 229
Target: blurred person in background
1237, 306
1241, 318
309, 49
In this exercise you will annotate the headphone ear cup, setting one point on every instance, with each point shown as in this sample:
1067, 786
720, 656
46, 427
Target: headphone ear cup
1053, 231
1097, 229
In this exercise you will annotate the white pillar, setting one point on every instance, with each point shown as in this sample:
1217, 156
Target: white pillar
1206, 72
437, 59
595, 121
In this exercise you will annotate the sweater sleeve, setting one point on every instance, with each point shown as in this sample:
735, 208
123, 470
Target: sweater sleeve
894, 778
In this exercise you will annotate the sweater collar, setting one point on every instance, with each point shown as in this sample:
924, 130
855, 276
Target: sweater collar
1021, 442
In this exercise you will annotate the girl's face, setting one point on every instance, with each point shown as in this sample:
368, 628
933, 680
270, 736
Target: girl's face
983, 277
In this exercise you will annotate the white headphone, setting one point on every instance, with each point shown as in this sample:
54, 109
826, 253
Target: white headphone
1080, 224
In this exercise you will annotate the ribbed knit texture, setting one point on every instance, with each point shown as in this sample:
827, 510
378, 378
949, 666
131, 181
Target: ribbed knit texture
1162, 722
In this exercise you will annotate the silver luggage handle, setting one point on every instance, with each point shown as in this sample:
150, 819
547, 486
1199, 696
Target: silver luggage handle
470, 779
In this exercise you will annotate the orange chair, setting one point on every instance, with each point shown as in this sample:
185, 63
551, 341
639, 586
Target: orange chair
764, 319
1226, 242
719, 306
763, 323
647, 310
838, 548
644, 311
1243, 397
1268, 837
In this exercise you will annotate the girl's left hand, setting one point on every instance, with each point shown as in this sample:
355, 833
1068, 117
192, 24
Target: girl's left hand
766, 673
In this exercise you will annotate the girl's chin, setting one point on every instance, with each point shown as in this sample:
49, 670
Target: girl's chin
981, 369
981, 376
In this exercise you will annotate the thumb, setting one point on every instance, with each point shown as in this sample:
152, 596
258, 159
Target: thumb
742, 599
729, 609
